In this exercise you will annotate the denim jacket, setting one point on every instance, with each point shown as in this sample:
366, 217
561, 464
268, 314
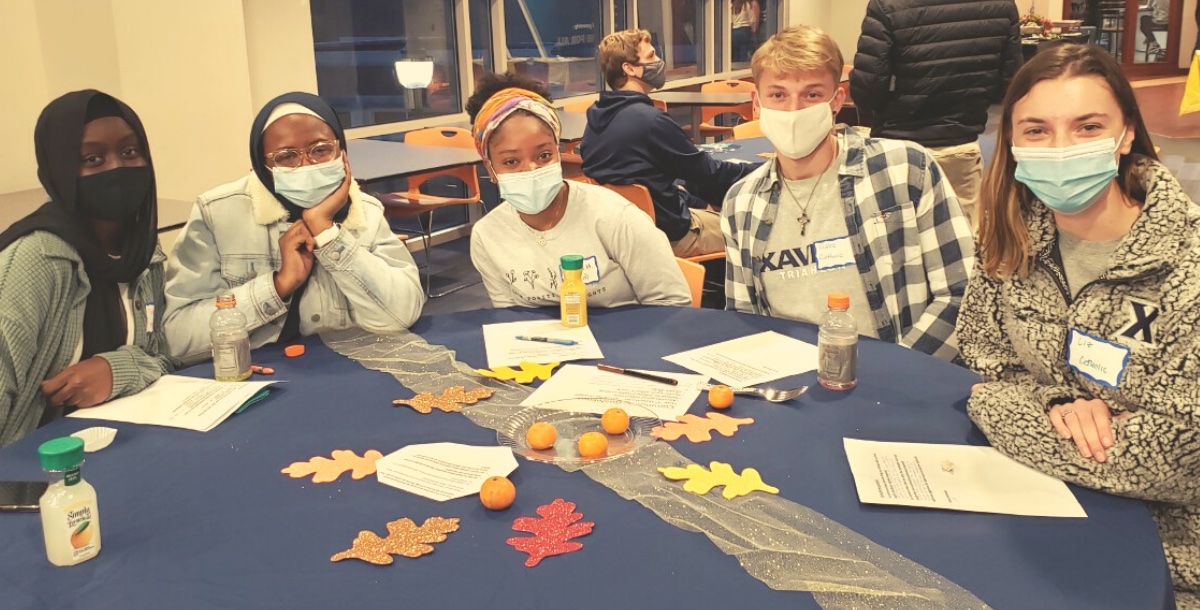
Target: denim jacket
364, 278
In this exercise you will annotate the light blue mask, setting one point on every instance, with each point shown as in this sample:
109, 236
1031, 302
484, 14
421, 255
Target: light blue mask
308, 185
533, 191
1070, 179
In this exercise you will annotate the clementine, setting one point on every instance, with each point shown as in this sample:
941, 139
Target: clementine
497, 493
720, 397
615, 421
592, 444
541, 435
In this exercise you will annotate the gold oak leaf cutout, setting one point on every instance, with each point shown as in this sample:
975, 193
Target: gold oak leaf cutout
698, 429
700, 481
325, 470
404, 538
452, 399
529, 371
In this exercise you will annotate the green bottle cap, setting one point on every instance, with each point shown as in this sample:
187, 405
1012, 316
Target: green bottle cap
61, 453
571, 262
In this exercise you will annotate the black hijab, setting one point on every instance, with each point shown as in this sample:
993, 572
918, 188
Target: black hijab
57, 139
259, 161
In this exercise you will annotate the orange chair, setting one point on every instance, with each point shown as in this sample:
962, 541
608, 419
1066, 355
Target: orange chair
412, 202
750, 129
580, 106
694, 274
661, 105
640, 196
708, 113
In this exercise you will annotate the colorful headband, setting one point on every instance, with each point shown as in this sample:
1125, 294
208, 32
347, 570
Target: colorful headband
504, 103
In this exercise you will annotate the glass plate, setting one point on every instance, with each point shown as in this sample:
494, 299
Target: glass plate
570, 425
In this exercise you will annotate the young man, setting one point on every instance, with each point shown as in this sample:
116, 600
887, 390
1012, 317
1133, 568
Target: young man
839, 212
630, 141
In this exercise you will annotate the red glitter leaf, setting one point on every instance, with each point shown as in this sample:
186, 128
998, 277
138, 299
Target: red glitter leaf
550, 533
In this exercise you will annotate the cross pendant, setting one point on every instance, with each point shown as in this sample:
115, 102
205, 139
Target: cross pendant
803, 220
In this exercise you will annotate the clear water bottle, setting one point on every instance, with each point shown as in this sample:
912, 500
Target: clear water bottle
230, 341
837, 345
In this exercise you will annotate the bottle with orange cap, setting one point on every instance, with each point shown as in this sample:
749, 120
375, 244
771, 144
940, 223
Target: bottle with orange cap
837, 345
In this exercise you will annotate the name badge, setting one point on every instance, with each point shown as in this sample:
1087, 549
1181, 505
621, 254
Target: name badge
149, 318
591, 270
833, 253
1099, 360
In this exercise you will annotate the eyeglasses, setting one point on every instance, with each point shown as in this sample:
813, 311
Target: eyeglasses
319, 152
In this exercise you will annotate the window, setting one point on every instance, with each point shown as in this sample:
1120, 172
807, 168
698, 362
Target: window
677, 31
384, 61
481, 37
554, 41
751, 23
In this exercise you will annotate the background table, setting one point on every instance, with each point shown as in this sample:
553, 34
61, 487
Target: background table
696, 99
380, 159
193, 520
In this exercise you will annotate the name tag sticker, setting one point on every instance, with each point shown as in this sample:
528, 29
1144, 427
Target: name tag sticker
149, 318
833, 253
591, 270
1099, 360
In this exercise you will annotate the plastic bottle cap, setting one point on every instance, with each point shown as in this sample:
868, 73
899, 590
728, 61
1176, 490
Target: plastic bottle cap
571, 262
61, 453
838, 300
226, 300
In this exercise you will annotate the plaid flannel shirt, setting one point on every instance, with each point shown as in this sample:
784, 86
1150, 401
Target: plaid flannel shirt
912, 244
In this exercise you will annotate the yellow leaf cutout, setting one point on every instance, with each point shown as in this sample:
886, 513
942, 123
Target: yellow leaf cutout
698, 429
404, 538
452, 399
327, 470
529, 371
700, 481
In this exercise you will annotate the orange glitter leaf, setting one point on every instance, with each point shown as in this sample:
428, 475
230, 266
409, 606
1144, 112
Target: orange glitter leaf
325, 470
404, 538
698, 429
452, 399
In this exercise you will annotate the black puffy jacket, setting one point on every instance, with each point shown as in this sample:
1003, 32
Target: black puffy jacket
929, 69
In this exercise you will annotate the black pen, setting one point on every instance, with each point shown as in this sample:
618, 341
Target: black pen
638, 374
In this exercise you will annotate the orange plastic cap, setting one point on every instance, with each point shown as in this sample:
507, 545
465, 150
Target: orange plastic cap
293, 351
839, 300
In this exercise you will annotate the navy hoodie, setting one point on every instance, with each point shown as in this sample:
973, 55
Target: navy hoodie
630, 141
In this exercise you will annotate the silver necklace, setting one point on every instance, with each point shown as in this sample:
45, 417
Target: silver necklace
803, 219
541, 234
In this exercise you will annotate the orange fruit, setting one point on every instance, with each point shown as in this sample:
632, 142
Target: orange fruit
592, 444
720, 397
615, 421
541, 435
497, 493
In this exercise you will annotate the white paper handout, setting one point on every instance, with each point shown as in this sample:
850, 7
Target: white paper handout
179, 402
505, 349
586, 389
955, 477
750, 360
444, 471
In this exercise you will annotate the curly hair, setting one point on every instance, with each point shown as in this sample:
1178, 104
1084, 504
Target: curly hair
493, 83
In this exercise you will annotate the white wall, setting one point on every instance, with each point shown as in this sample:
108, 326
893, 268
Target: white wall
23, 89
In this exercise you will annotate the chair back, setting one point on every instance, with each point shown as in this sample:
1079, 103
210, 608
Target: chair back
694, 274
752, 129
745, 111
635, 193
450, 137
582, 178
661, 105
580, 106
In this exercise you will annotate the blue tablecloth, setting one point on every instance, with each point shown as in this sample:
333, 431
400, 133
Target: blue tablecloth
193, 520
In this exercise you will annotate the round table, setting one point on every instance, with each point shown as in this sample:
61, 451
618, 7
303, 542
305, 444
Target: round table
192, 520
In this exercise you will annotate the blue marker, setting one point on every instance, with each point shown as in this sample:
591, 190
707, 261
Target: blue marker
548, 340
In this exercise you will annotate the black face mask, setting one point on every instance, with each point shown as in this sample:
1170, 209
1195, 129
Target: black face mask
116, 194
654, 74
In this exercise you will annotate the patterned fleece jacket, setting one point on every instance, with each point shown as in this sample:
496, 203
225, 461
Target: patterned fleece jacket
1015, 332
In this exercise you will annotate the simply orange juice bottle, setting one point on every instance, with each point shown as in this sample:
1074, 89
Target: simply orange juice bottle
573, 292
70, 517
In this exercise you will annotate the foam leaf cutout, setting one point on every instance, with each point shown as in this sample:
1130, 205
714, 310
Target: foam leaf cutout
452, 399
404, 538
529, 371
551, 533
326, 470
700, 480
698, 429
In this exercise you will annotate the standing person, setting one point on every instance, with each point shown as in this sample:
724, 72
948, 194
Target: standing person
517, 246
743, 28
630, 141
839, 212
296, 242
1082, 317
929, 69
81, 278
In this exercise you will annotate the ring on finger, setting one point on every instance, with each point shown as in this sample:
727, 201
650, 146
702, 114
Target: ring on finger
1066, 412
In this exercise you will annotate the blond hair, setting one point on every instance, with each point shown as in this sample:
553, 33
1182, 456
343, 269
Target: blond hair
797, 49
617, 49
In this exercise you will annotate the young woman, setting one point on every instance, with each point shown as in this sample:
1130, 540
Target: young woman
296, 242
80, 278
517, 246
1083, 317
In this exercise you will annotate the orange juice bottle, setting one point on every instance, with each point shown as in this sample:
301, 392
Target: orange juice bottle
573, 292
70, 517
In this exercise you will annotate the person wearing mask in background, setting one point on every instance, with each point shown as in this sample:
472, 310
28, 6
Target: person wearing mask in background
1082, 316
630, 141
296, 242
81, 279
929, 74
517, 246
839, 213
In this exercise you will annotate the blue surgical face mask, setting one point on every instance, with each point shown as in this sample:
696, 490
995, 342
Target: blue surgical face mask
533, 191
308, 185
1070, 179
